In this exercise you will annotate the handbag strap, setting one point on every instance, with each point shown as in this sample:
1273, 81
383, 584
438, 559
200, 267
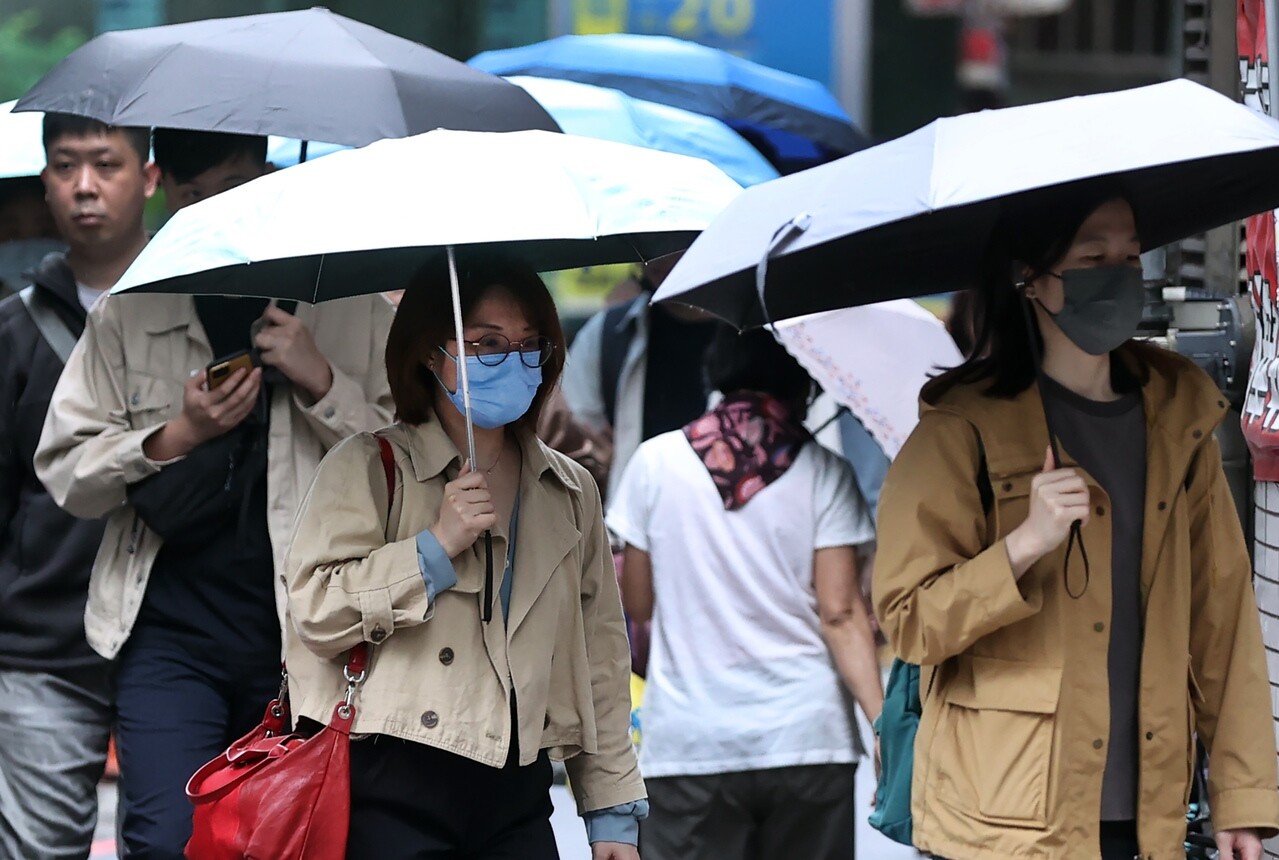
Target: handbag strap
357, 662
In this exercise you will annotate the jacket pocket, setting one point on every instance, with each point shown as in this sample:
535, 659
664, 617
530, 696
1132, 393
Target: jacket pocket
996, 762
1010, 504
151, 401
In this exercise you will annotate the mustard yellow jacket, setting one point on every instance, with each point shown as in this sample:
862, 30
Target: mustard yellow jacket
1012, 746
439, 675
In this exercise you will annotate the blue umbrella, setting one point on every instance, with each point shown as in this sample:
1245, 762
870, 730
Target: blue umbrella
610, 114
793, 120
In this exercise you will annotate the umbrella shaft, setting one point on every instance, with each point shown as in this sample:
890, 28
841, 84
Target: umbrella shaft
463, 377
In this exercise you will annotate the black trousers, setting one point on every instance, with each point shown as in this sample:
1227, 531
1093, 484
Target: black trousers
414, 802
801, 812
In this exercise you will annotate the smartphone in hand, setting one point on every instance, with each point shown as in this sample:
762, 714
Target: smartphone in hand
221, 369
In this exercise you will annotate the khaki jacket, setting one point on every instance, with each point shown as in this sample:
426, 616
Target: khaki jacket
1012, 746
125, 378
439, 675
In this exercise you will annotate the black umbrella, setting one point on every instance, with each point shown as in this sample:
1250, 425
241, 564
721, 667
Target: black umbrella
310, 74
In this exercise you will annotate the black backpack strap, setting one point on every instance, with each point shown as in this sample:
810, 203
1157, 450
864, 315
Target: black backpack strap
616, 336
52, 327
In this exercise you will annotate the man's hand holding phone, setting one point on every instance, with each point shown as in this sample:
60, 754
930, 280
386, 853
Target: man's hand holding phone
207, 413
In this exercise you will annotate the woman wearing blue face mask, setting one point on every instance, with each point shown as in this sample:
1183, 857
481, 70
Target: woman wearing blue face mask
462, 709
1077, 590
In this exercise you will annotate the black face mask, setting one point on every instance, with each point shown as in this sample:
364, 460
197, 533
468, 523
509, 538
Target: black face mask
1102, 307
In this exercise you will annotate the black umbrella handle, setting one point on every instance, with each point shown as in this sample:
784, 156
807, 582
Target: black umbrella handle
488, 577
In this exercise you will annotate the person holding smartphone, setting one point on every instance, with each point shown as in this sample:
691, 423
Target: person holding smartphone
199, 473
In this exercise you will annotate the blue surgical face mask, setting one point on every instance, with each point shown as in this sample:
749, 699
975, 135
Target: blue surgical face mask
499, 395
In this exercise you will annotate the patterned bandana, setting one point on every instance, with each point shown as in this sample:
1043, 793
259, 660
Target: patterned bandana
746, 442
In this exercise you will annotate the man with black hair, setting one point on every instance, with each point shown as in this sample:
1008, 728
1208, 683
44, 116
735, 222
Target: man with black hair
199, 164
200, 482
55, 702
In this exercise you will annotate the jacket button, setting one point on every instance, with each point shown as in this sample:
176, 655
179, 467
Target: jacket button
330, 412
1150, 736
430, 719
1221, 404
1198, 434
377, 635
1098, 744
1099, 627
446, 656
1163, 506
1008, 486
1101, 512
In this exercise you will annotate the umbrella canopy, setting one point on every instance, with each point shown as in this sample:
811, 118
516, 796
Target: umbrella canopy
21, 143
364, 220
311, 75
914, 216
791, 116
858, 356
610, 114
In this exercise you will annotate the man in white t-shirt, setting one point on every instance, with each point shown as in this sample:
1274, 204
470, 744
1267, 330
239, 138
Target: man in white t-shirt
742, 543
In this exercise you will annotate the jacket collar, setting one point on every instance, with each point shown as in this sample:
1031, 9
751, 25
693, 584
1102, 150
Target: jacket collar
1182, 405
433, 453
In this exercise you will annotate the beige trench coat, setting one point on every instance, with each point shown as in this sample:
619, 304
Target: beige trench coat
1011, 749
125, 379
439, 675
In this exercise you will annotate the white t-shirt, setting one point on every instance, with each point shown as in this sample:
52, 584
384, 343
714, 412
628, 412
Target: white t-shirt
739, 676
88, 295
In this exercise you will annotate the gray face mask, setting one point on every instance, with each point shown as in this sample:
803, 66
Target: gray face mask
1102, 308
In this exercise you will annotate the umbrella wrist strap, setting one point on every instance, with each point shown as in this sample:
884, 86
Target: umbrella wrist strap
1076, 528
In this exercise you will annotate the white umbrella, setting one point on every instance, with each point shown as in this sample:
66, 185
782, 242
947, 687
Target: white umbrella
21, 142
913, 216
873, 359
365, 220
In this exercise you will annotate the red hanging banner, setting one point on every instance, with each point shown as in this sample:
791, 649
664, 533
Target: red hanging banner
1261, 410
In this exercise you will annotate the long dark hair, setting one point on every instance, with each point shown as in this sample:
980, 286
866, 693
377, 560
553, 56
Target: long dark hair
1033, 234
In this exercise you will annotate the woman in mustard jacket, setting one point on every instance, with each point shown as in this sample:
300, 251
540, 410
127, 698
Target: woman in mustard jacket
1068, 668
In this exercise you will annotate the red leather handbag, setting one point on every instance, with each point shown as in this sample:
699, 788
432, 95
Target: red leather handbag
276, 795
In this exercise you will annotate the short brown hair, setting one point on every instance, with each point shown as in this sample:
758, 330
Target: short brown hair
424, 321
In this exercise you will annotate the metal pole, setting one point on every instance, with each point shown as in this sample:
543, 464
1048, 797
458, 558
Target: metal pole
463, 377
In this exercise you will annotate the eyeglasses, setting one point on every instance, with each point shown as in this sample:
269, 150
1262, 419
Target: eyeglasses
493, 349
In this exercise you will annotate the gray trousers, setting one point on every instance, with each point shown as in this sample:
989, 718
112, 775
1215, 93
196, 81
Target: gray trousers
54, 730
802, 812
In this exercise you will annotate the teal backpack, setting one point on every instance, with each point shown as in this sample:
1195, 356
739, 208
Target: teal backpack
896, 727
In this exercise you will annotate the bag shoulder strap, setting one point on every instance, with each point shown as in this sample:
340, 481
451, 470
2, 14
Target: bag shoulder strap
357, 662
52, 327
615, 345
388, 465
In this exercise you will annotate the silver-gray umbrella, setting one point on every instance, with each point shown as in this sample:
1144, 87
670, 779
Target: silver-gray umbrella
311, 75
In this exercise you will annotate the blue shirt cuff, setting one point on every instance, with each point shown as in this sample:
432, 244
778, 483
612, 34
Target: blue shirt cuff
435, 565
616, 824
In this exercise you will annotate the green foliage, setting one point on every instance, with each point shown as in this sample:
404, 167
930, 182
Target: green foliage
27, 56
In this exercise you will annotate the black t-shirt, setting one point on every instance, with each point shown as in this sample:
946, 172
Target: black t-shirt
1108, 440
222, 594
